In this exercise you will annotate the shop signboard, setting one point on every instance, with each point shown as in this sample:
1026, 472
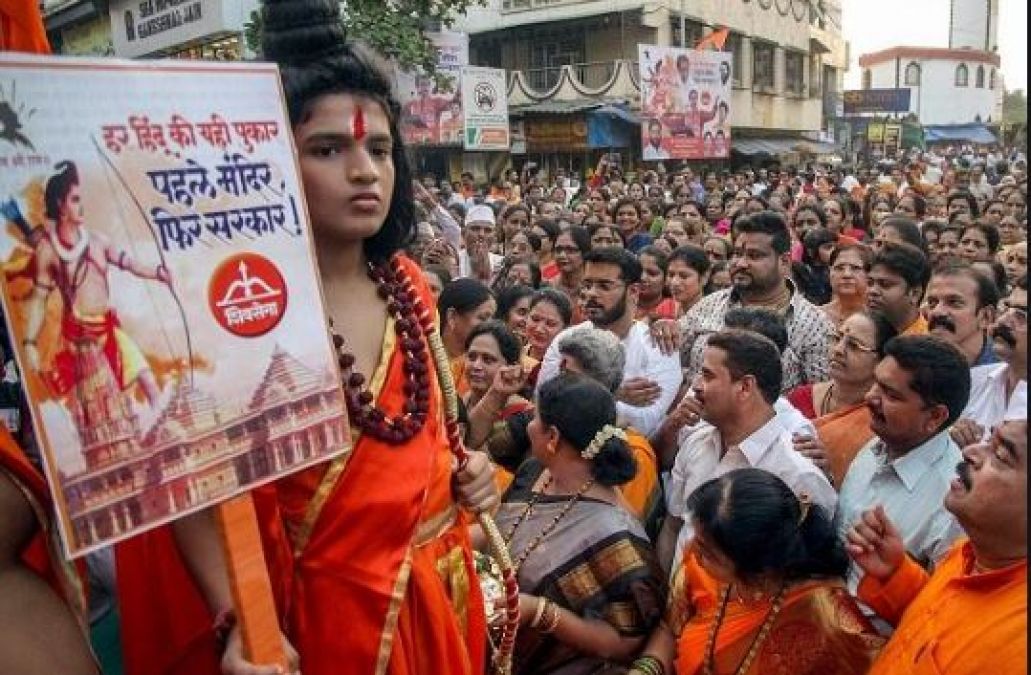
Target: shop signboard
142, 27
160, 288
485, 107
685, 103
556, 133
877, 100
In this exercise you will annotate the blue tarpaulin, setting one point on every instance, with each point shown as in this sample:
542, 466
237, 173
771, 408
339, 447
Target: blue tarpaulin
968, 133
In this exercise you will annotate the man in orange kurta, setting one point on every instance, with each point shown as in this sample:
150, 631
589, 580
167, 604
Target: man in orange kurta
970, 616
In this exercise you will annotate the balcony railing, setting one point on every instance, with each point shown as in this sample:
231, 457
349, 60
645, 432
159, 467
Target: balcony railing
590, 75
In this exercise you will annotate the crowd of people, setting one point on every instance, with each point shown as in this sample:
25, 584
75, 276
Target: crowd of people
765, 422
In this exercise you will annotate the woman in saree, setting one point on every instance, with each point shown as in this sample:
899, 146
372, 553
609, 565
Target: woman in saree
462, 305
849, 266
591, 589
551, 312
496, 379
368, 554
761, 591
838, 406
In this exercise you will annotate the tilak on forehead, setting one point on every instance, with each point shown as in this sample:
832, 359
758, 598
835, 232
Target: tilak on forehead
358, 123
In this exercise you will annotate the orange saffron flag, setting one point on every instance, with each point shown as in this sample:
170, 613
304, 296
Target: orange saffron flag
21, 27
715, 39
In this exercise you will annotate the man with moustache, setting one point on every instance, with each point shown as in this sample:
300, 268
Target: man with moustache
609, 290
998, 392
895, 286
920, 388
959, 307
970, 616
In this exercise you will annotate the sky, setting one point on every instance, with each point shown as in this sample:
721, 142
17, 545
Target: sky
872, 25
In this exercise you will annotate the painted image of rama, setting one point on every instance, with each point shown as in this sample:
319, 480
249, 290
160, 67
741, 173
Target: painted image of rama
95, 354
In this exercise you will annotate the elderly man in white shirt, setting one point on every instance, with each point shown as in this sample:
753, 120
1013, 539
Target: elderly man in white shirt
476, 260
609, 291
739, 380
998, 392
920, 388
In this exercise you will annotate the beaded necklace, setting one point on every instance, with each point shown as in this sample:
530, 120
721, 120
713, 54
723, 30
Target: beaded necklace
709, 667
518, 562
393, 285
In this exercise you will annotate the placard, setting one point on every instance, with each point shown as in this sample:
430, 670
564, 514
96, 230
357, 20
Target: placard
485, 107
432, 110
160, 288
685, 103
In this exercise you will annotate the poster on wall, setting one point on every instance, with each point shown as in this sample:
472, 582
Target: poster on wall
485, 106
685, 103
431, 108
160, 289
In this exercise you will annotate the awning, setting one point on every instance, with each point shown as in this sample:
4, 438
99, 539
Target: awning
614, 108
781, 146
970, 133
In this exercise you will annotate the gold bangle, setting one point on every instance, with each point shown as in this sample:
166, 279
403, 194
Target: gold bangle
552, 618
538, 613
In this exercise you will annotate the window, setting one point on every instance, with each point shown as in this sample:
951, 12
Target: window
762, 65
694, 30
867, 79
991, 80
962, 75
794, 69
913, 75
979, 81
733, 45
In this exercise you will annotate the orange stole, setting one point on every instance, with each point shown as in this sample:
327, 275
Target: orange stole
380, 579
640, 492
819, 630
844, 433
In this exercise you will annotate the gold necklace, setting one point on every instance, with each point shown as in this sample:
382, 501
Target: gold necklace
709, 666
518, 562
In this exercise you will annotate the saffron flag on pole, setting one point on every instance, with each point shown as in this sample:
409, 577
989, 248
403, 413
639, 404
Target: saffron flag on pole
715, 39
21, 27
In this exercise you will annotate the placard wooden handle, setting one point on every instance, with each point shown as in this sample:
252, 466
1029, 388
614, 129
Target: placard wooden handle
249, 581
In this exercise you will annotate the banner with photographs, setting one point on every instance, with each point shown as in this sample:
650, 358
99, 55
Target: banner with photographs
685, 103
160, 288
431, 111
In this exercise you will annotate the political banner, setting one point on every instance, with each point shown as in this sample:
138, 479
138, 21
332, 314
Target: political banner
160, 288
485, 106
431, 108
685, 103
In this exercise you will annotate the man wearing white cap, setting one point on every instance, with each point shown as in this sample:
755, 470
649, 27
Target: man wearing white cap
476, 260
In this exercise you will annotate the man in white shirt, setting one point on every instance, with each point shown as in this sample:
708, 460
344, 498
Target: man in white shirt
738, 382
998, 392
609, 290
920, 389
476, 260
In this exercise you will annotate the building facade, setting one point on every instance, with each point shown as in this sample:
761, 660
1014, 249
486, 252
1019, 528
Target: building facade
947, 86
570, 59
959, 84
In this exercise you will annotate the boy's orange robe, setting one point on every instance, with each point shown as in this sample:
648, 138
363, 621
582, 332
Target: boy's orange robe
368, 554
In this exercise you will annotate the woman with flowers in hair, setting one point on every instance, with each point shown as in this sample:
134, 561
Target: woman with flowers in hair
369, 554
591, 588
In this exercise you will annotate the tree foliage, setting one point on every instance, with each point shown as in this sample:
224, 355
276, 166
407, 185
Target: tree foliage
397, 29
1014, 107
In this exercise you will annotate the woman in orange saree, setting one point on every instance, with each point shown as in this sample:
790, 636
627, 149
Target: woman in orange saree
368, 554
761, 591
